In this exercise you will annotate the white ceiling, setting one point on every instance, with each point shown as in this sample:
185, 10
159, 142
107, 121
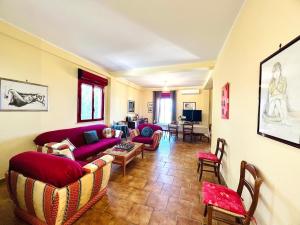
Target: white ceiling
127, 34
195, 77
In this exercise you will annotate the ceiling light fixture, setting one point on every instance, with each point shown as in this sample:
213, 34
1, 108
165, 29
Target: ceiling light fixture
165, 88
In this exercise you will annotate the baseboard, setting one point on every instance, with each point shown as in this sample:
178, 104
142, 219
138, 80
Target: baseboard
223, 180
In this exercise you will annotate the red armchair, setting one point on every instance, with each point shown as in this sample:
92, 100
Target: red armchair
150, 143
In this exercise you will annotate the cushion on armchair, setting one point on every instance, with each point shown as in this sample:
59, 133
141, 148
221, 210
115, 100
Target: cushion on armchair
57, 171
147, 132
144, 140
135, 132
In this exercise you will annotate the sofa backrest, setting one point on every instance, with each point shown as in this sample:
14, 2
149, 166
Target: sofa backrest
64, 172
152, 126
75, 135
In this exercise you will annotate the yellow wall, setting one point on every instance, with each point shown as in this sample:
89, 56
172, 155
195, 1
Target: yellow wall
25, 57
261, 26
202, 103
120, 94
146, 96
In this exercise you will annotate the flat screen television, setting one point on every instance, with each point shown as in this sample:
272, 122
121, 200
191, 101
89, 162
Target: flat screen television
192, 115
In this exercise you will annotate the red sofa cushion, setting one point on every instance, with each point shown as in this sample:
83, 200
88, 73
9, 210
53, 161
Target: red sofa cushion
47, 168
87, 150
75, 135
152, 126
222, 197
144, 140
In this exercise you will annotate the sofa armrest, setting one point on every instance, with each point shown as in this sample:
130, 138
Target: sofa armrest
98, 163
134, 133
27, 193
157, 135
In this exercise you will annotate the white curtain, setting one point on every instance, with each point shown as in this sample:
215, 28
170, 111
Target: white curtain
164, 110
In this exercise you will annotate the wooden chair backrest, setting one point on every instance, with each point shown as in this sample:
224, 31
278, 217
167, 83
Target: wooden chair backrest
172, 128
188, 127
252, 189
220, 148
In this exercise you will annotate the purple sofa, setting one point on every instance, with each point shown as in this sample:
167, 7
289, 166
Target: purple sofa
75, 135
151, 143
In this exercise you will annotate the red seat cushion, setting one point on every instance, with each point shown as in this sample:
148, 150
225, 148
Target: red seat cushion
222, 197
144, 140
47, 168
207, 156
88, 150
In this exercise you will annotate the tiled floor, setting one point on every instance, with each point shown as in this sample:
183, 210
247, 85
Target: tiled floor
161, 189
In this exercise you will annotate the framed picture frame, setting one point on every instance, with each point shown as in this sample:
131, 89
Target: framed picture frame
225, 102
22, 96
189, 105
150, 107
279, 91
131, 106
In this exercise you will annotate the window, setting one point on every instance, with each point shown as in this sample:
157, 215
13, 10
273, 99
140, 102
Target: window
165, 110
90, 97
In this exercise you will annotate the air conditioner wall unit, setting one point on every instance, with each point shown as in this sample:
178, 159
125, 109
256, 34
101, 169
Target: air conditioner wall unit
190, 92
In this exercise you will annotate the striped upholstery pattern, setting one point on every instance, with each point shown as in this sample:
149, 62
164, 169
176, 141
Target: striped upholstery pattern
156, 139
41, 203
57, 148
134, 133
108, 132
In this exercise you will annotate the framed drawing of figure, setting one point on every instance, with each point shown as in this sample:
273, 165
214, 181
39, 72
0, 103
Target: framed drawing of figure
189, 105
279, 91
22, 96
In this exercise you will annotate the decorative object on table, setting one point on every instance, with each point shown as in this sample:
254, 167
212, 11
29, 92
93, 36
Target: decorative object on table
150, 107
279, 91
131, 106
189, 105
125, 146
181, 118
22, 96
225, 101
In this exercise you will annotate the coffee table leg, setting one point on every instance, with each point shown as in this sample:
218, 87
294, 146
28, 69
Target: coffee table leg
124, 168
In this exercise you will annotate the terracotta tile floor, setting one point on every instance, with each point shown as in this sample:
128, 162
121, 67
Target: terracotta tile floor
161, 189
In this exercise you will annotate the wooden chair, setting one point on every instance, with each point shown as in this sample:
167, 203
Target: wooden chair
187, 130
173, 131
226, 201
212, 159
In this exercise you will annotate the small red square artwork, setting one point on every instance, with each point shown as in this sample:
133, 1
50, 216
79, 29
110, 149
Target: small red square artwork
225, 101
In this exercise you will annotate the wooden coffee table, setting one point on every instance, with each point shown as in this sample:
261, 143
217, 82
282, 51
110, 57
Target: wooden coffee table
122, 158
